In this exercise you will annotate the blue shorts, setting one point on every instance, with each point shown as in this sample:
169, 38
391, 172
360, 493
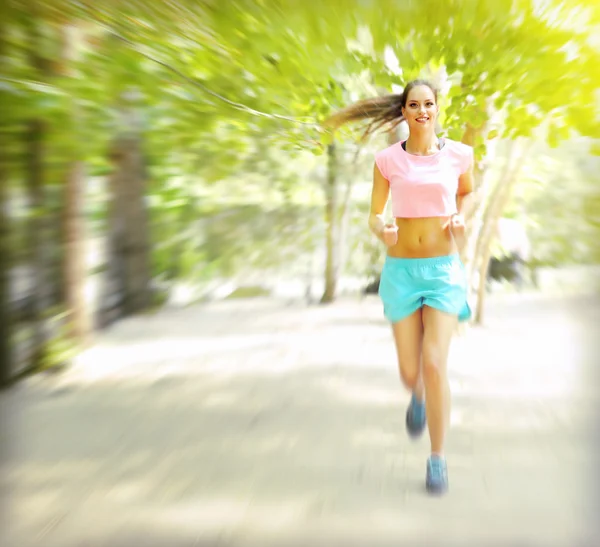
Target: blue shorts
407, 284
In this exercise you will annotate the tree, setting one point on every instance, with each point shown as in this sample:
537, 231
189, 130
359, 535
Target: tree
231, 95
510, 66
5, 251
497, 58
39, 246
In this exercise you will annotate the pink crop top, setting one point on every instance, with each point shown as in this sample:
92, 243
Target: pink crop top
424, 186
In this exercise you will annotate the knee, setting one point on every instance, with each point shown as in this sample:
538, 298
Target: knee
409, 377
433, 367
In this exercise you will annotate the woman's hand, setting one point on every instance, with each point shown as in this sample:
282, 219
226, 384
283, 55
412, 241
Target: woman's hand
389, 234
456, 223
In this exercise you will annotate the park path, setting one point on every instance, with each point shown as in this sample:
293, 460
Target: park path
259, 423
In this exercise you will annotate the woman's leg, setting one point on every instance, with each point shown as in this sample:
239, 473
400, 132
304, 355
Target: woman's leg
408, 338
438, 328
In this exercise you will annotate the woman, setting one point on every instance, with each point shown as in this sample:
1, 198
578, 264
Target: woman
423, 282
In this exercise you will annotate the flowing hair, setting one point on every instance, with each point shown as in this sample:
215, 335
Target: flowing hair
382, 111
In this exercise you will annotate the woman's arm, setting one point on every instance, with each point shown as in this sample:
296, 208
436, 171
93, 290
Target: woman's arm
464, 202
379, 197
464, 196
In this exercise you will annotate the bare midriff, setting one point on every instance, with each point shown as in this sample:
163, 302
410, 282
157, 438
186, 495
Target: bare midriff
423, 238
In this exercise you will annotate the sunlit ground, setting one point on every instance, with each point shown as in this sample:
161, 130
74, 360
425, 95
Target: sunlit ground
262, 423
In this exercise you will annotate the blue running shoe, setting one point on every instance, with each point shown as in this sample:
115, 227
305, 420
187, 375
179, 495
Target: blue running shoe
437, 475
415, 417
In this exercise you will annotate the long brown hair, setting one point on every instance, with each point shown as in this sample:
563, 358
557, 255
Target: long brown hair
386, 110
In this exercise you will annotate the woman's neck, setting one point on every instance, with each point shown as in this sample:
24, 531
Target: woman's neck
422, 145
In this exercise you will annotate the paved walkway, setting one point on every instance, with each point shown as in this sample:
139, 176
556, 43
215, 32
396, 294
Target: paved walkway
257, 423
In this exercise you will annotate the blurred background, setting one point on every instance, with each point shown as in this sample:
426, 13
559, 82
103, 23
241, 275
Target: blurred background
167, 152
165, 158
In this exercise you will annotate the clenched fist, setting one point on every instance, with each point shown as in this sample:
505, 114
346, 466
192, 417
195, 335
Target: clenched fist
456, 223
389, 234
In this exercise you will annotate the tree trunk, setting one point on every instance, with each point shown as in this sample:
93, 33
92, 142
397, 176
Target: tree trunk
5, 250
127, 287
38, 229
54, 220
331, 206
473, 219
38, 247
493, 212
112, 301
138, 252
344, 222
344, 215
75, 266
74, 258
475, 212
5, 263
487, 207
5, 257
489, 229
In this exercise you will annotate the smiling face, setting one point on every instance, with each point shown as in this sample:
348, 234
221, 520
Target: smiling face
421, 109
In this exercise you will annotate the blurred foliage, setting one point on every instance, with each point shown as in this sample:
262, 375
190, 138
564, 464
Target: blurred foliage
230, 95
558, 200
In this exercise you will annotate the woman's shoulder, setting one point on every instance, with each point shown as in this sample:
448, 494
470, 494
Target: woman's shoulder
458, 147
389, 150
462, 153
387, 159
